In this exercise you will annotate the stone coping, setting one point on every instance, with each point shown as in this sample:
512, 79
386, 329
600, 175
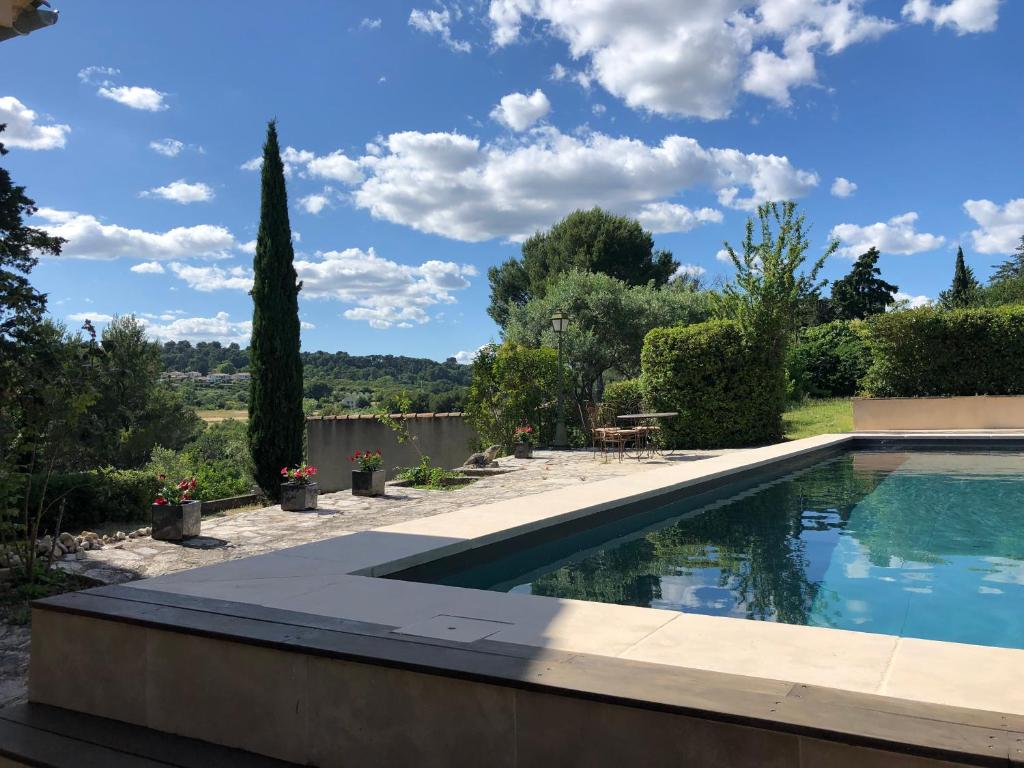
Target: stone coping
329, 580
373, 416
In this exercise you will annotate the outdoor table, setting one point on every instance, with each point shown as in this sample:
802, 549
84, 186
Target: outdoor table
642, 432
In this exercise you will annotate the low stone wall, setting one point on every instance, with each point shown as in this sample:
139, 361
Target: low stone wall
445, 437
914, 413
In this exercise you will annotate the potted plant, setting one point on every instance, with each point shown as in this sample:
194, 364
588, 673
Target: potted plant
298, 491
174, 514
368, 480
524, 444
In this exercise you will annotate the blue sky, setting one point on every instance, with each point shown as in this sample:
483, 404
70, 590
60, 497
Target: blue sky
429, 139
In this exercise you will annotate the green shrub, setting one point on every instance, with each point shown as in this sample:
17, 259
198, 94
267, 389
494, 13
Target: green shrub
723, 393
828, 360
100, 495
625, 396
927, 351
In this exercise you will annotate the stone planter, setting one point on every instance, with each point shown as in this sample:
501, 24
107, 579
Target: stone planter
524, 451
296, 497
368, 483
176, 522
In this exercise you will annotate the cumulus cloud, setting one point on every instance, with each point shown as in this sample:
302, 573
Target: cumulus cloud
694, 59
910, 301
25, 129
964, 16
465, 357
220, 328
439, 23
335, 166
88, 238
135, 96
689, 270
519, 111
723, 256
1000, 228
370, 23
452, 185
316, 202
148, 268
843, 187
182, 192
896, 235
95, 317
672, 217
167, 147
382, 292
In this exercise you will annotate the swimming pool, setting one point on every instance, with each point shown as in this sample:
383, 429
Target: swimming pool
916, 543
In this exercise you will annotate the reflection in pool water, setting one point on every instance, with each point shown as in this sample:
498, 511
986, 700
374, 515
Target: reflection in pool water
925, 544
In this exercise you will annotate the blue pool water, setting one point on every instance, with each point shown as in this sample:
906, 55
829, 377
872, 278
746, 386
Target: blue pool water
920, 544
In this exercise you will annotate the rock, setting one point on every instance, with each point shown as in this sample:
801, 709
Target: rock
89, 535
140, 532
119, 536
43, 545
80, 555
476, 460
106, 539
492, 453
79, 540
59, 550
149, 531
68, 542
132, 535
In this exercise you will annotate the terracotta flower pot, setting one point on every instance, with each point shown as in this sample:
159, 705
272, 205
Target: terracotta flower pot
176, 522
296, 497
368, 483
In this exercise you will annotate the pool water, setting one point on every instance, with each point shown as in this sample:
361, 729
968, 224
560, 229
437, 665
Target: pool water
921, 544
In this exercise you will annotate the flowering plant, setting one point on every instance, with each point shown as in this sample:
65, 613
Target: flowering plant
369, 461
175, 493
523, 434
300, 475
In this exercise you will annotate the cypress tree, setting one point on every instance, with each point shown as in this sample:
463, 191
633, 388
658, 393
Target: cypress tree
276, 421
964, 289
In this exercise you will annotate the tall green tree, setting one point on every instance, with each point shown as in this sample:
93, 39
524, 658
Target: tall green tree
1012, 268
862, 292
770, 290
591, 241
276, 421
964, 290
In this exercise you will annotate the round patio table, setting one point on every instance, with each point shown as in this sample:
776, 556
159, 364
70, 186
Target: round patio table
647, 441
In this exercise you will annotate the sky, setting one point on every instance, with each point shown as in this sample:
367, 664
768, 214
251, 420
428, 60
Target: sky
424, 141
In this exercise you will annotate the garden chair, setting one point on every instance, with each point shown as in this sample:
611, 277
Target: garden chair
605, 437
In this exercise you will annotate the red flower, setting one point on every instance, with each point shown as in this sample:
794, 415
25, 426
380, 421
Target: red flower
160, 501
358, 454
284, 471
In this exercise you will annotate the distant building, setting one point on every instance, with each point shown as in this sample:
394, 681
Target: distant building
355, 399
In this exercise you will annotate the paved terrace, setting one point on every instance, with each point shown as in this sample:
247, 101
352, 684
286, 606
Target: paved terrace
254, 532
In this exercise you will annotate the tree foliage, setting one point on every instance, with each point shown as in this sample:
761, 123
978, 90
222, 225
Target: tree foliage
591, 241
862, 292
276, 421
828, 360
1012, 268
964, 290
608, 320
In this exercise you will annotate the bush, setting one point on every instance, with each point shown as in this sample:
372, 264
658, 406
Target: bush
828, 360
723, 393
100, 495
218, 459
625, 396
927, 351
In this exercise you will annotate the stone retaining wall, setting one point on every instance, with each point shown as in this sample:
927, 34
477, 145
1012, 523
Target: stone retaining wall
447, 438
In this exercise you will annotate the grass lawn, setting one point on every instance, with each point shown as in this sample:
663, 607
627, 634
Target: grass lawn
212, 416
818, 417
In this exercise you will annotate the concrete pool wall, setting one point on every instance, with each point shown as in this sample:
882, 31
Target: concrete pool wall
338, 667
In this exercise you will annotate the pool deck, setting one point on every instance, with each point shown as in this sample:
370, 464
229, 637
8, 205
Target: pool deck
954, 701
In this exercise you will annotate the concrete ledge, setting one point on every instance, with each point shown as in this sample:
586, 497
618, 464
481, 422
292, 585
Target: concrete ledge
937, 413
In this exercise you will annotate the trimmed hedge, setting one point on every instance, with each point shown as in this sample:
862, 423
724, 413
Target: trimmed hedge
928, 351
625, 396
725, 395
829, 360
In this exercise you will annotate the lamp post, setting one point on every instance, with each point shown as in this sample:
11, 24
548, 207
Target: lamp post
559, 324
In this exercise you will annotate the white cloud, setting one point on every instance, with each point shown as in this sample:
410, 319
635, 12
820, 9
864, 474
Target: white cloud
23, 128
181, 191
723, 256
383, 292
135, 96
912, 302
316, 202
97, 75
896, 235
690, 270
167, 147
964, 16
220, 328
558, 72
693, 59
438, 23
599, 109
148, 268
449, 184
843, 187
1000, 228
95, 317
248, 246
88, 238
335, 166
370, 24
672, 217
465, 357
519, 111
